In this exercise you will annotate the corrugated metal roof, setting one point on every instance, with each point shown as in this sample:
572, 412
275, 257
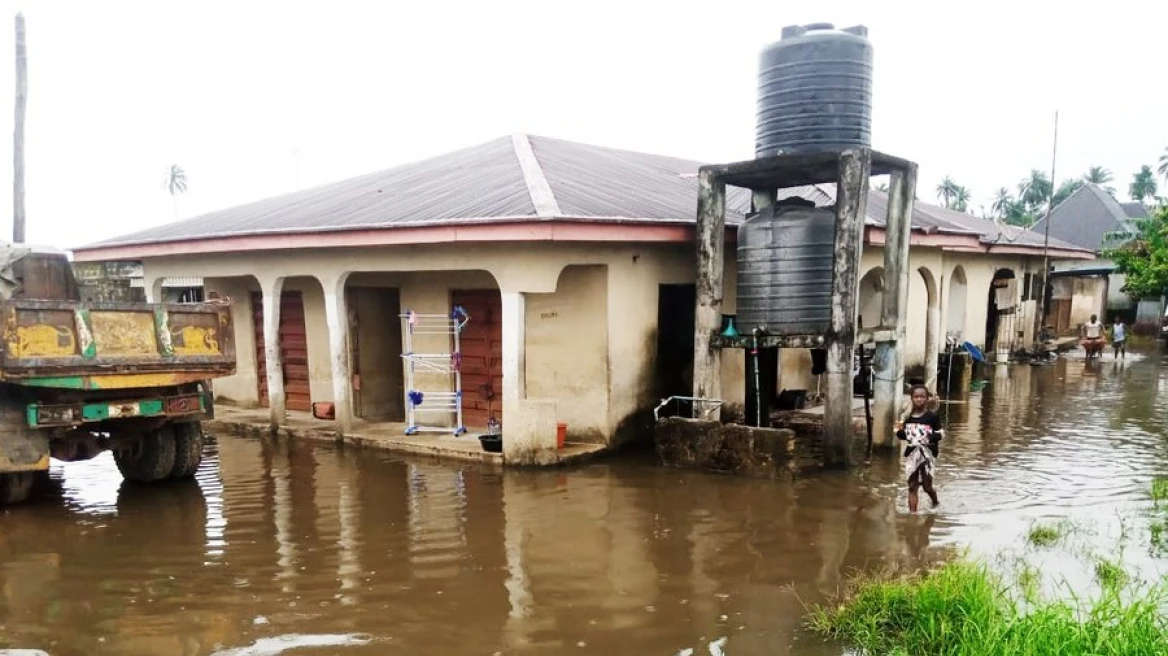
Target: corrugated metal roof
1135, 210
487, 183
1086, 217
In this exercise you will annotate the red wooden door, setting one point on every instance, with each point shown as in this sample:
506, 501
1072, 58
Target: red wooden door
482, 355
293, 351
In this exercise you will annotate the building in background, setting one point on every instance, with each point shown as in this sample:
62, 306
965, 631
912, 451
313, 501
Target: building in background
1093, 219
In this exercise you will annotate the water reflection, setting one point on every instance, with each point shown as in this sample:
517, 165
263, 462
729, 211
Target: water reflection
275, 542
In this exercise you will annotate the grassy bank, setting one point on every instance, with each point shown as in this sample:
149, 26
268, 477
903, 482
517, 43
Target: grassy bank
963, 609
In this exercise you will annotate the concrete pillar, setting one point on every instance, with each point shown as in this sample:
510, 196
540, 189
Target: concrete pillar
932, 340
514, 346
152, 288
529, 426
711, 244
271, 289
851, 206
337, 318
888, 363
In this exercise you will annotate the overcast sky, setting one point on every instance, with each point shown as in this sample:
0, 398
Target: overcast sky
258, 98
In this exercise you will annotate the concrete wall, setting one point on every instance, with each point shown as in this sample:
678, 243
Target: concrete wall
626, 305
1087, 298
567, 350
600, 302
242, 388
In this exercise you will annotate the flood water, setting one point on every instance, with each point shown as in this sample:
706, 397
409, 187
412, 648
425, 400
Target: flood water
357, 552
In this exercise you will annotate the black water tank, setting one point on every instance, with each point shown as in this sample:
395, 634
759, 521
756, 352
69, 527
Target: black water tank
815, 91
786, 256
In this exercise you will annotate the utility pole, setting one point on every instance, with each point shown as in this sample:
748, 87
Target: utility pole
1041, 313
18, 134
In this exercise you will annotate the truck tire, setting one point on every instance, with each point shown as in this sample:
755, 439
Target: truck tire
15, 487
188, 449
147, 459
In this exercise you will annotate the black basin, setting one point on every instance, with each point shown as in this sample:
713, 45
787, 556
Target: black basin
491, 443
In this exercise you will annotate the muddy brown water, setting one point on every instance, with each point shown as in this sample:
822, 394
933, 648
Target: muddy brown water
328, 551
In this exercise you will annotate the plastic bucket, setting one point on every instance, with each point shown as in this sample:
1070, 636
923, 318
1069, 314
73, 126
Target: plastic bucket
561, 435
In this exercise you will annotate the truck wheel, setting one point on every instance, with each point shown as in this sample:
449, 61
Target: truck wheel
147, 459
15, 487
188, 449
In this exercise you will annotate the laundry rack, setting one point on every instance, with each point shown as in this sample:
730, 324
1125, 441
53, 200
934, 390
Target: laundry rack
433, 410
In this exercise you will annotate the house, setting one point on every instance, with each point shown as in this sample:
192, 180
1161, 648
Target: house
1091, 218
574, 262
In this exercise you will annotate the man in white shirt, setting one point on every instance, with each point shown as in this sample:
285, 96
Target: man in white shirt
1093, 336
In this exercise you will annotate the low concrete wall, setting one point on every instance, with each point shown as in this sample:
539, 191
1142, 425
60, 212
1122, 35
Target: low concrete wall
733, 448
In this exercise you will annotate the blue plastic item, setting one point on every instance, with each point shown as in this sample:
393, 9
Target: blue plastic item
974, 351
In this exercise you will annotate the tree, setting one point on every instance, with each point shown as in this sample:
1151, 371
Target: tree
1017, 214
1034, 191
1143, 184
1101, 176
882, 187
1164, 165
1065, 190
947, 191
961, 197
175, 183
1002, 203
1143, 260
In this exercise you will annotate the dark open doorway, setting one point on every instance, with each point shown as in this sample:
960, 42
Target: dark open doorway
675, 343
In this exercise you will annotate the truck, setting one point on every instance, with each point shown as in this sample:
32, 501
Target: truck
81, 378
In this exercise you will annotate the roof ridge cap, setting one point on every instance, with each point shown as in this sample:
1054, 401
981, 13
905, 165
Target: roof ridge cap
542, 198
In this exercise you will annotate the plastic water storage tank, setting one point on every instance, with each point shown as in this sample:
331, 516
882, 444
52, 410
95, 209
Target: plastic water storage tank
785, 259
815, 91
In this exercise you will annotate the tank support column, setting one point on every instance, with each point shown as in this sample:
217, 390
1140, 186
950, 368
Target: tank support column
840, 339
711, 245
888, 363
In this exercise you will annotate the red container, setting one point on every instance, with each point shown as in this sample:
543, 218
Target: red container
561, 435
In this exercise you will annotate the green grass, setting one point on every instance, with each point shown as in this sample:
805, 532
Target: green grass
1159, 539
1110, 574
963, 609
1160, 490
1045, 535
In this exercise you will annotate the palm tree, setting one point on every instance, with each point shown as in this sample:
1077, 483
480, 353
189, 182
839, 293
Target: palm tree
1163, 169
175, 183
1002, 202
961, 199
1101, 176
1143, 184
947, 191
1065, 190
1034, 191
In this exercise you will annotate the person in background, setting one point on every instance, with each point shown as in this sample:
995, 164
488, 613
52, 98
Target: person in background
922, 430
1119, 337
1093, 337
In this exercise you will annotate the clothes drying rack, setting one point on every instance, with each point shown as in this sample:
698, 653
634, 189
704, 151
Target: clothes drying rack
433, 410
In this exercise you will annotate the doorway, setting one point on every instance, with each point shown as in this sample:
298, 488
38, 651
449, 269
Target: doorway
293, 340
482, 355
375, 335
675, 345
1001, 307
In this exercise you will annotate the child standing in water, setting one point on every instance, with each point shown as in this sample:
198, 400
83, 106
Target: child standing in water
922, 430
